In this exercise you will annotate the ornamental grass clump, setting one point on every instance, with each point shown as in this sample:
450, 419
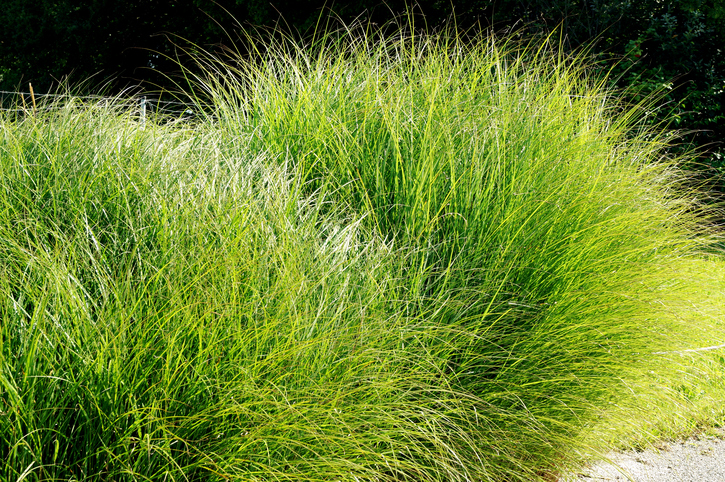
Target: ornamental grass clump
373, 257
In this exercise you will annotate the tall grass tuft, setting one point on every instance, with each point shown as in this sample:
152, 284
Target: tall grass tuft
405, 257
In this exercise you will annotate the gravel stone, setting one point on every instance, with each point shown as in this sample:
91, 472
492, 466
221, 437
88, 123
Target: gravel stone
700, 459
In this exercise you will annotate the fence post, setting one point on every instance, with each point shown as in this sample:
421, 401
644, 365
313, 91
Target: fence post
143, 111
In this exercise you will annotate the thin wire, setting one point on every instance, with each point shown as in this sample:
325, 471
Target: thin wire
95, 97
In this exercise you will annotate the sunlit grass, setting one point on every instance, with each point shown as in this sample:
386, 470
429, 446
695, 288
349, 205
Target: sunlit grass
401, 258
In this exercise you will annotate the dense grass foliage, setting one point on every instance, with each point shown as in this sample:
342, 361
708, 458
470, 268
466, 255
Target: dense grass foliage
374, 259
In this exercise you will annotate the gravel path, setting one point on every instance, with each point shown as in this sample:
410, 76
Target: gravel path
699, 459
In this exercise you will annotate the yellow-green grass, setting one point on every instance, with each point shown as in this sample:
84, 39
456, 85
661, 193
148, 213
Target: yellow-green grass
372, 258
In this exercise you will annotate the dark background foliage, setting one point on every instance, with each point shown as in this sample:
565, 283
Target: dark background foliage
675, 47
